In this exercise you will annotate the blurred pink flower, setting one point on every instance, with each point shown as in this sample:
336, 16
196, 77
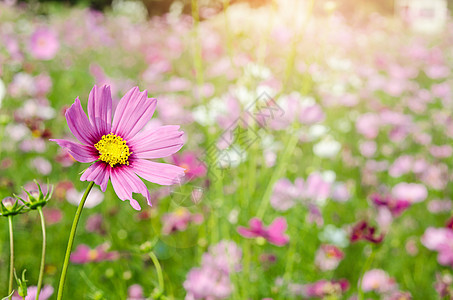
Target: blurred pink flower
45, 293
440, 240
135, 292
320, 289
179, 220
212, 280
84, 254
395, 205
377, 280
328, 257
368, 148
193, 167
368, 125
95, 223
44, 44
274, 233
439, 206
412, 192
443, 151
285, 193
52, 215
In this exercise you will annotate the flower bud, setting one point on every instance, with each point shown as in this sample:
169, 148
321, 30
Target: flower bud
37, 198
21, 284
10, 207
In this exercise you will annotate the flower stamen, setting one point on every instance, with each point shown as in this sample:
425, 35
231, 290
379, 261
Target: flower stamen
113, 150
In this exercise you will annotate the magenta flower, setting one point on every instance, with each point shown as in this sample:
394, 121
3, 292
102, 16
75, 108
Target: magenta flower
364, 231
192, 166
395, 205
274, 234
83, 254
120, 149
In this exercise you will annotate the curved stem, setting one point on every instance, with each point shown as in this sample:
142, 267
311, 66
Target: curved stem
160, 277
367, 265
43, 252
11, 263
71, 241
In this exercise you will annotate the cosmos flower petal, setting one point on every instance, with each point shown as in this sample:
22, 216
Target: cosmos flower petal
123, 188
245, 232
157, 143
97, 172
278, 225
133, 112
81, 153
80, 125
160, 173
100, 109
136, 183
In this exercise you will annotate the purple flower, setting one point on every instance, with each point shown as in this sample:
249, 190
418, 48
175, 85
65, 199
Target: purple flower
274, 234
119, 149
44, 44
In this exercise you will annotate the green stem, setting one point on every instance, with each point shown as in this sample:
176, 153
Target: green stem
11, 263
367, 265
281, 166
160, 277
71, 241
43, 252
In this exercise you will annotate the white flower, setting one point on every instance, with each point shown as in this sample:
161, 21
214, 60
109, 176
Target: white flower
327, 148
94, 198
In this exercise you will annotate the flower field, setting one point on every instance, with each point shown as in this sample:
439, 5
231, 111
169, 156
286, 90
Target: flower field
247, 153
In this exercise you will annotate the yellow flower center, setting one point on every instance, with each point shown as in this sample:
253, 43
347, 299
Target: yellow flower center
113, 150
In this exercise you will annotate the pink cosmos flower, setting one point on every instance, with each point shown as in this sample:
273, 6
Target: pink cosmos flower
328, 257
135, 292
413, 192
119, 149
285, 193
395, 205
83, 254
192, 166
440, 240
377, 280
179, 220
44, 44
274, 234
